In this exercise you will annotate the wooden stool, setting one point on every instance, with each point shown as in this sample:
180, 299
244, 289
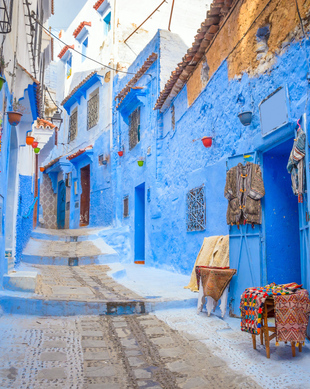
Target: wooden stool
268, 311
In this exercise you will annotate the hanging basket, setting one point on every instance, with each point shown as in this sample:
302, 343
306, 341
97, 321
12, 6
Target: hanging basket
29, 140
37, 150
140, 163
120, 153
42, 169
245, 117
35, 144
207, 141
14, 117
2, 81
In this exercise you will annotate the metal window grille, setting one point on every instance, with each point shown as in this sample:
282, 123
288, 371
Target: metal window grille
126, 206
72, 126
134, 128
196, 209
6, 7
173, 118
92, 111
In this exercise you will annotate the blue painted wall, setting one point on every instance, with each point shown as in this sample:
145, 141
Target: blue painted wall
24, 225
178, 163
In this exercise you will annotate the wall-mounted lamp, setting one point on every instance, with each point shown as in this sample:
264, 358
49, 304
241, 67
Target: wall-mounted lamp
245, 118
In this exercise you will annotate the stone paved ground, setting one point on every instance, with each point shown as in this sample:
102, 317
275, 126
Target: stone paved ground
89, 282
107, 352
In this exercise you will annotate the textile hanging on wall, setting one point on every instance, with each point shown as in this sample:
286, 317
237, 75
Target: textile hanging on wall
292, 315
244, 189
214, 281
252, 302
295, 165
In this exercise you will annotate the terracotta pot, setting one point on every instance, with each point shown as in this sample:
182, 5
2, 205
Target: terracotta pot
29, 140
2, 81
42, 169
120, 153
35, 144
207, 141
14, 117
37, 150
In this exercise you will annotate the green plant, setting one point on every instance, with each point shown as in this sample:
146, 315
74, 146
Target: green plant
18, 107
3, 65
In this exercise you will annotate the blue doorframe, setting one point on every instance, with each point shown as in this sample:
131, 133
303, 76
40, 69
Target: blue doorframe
61, 205
140, 223
245, 249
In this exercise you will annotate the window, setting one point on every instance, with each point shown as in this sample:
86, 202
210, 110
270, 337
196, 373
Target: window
68, 179
134, 128
126, 206
173, 118
107, 23
196, 209
93, 109
73, 125
84, 48
69, 67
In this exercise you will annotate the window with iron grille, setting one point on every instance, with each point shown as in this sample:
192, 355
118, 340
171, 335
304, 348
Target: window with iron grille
196, 209
93, 111
73, 126
126, 206
134, 128
6, 8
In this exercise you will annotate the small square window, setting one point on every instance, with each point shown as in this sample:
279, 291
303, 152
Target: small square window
126, 206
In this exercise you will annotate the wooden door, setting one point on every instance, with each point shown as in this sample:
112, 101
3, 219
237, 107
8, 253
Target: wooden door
85, 196
61, 205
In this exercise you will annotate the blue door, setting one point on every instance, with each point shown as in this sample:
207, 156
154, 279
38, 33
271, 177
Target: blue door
245, 249
304, 218
61, 205
140, 224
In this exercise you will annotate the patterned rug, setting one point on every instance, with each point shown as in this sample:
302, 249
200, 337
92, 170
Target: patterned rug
292, 315
214, 280
252, 302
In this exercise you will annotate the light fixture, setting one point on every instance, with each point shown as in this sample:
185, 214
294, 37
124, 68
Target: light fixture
57, 119
245, 118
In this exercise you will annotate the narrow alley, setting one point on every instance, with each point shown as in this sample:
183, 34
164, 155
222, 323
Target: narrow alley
154, 194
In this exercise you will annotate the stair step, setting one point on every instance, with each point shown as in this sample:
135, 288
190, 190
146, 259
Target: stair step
74, 235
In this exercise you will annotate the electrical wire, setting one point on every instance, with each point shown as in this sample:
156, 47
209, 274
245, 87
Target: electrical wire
83, 55
46, 88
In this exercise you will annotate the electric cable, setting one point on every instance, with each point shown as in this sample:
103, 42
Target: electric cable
83, 55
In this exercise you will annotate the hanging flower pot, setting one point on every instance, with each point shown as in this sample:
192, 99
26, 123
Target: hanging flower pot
29, 140
245, 117
2, 81
120, 153
42, 169
207, 141
35, 144
14, 117
37, 150
140, 162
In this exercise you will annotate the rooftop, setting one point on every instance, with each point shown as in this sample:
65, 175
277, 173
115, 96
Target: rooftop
79, 152
98, 4
80, 28
147, 64
42, 123
216, 16
64, 50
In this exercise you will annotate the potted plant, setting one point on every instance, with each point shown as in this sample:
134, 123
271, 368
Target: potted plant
3, 65
207, 141
42, 169
37, 150
35, 144
120, 153
29, 138
245, 117
141, 161
17, 112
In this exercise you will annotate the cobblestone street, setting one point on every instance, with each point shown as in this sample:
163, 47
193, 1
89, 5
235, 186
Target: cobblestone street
110, 352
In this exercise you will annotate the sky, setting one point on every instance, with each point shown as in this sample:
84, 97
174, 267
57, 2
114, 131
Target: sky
65, 11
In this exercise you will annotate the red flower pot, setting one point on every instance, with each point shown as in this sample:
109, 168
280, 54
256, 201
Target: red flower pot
120, 153
35, 144
14, 117
207, 141
29, 140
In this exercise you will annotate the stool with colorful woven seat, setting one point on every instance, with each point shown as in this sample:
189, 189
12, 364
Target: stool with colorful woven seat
288, 304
